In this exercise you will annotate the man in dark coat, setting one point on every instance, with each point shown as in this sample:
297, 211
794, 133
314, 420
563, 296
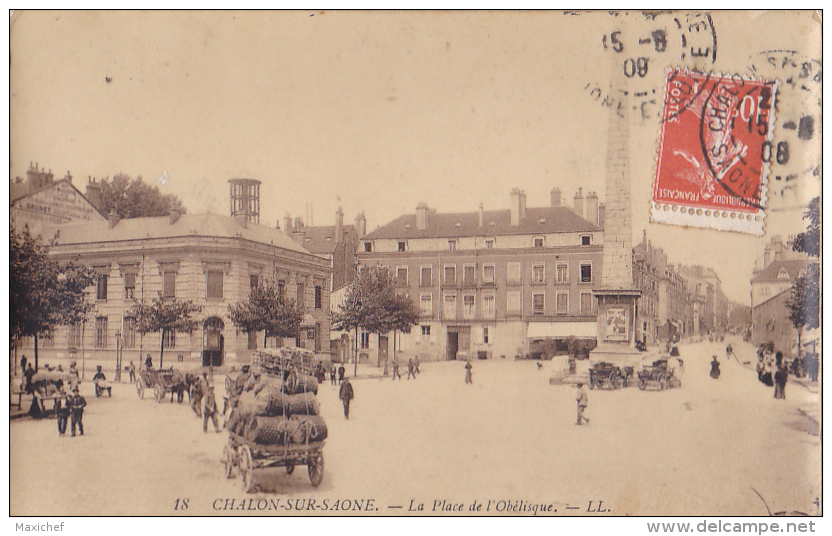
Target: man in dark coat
76, 411
341, 372
23, 361
333, 375
62, 406
468, 378
346, 394
148, 362
28, 375
396, 373
209, 409
410, 370
780, 379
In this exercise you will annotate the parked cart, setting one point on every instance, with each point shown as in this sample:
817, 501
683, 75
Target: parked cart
161, 382
605, 374
659, 375
249, 458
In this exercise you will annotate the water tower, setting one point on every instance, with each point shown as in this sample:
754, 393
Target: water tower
245, 199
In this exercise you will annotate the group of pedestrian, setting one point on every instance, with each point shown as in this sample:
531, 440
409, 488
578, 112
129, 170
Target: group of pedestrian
70, 406
772, 370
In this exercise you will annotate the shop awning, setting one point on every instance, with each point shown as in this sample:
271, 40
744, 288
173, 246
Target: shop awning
562, 330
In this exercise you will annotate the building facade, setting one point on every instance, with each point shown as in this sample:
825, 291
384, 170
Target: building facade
39, 199
774, 275
211, 260
489, 282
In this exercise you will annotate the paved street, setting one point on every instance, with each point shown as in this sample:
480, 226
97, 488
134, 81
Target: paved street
510, 436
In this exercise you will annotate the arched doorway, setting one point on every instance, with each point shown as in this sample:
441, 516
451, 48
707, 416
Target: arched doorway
213, 342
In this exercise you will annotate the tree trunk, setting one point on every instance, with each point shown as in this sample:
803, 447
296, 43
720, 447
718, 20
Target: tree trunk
265, 337
355, 356
162, 349
394, 345
36, 352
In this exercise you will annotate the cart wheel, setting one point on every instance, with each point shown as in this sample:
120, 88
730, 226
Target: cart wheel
139, 388
290, 468
642, 384
247, 468
591, 383
158, 393
316, 469
227, 460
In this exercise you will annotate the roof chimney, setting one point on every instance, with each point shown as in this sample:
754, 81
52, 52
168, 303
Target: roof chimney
242, 219
113, 219
422, 216
592, 207
482, 215
516, 208
555, 197
175, 214
579, 203
360, 224
602, 214
339, 225
287, 223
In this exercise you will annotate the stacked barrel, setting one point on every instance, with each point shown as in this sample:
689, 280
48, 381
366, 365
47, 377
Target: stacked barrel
278, 405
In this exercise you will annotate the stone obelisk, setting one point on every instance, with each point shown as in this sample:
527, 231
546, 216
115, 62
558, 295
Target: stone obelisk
617, 295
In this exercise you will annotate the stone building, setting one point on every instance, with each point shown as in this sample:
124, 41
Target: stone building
210, 259
774, 274
40, 199
338, 243
489, 282
649, 267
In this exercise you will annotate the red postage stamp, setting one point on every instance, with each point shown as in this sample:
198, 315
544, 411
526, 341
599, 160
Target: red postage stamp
714, 152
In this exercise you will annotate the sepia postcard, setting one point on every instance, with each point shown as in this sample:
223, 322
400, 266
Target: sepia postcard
416, 263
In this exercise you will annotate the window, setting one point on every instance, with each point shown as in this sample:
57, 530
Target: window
281, 288
426, 276
101, 332
538, 273
585, 240
129, 286
402, 246
368, 247
489, 243
513, 302
253, 281
452, 245
488, 274
426, 334
469, 275
301, 297
485, 334
319, 297
365, 340
129, 334
426, 305
383, 272
449, 306
169, 340
252, 340
586, 272
586, 303
101, 287
538, 303
538, 241
401, 276
169, 284
488, 306
73, 336
450, 275
514, 272
214, 284
468, 306
562, 272
562, 303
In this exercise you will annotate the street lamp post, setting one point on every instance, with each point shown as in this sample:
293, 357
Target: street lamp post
118, 356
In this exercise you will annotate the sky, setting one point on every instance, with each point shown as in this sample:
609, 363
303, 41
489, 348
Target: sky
371, 111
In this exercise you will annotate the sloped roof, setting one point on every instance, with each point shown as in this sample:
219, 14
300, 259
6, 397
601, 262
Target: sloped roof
21, 191
210, 225
321, 239
770, 272
538, 220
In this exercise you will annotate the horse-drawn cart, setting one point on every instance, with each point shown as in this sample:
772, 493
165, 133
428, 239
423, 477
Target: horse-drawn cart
161, 382
250, 457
